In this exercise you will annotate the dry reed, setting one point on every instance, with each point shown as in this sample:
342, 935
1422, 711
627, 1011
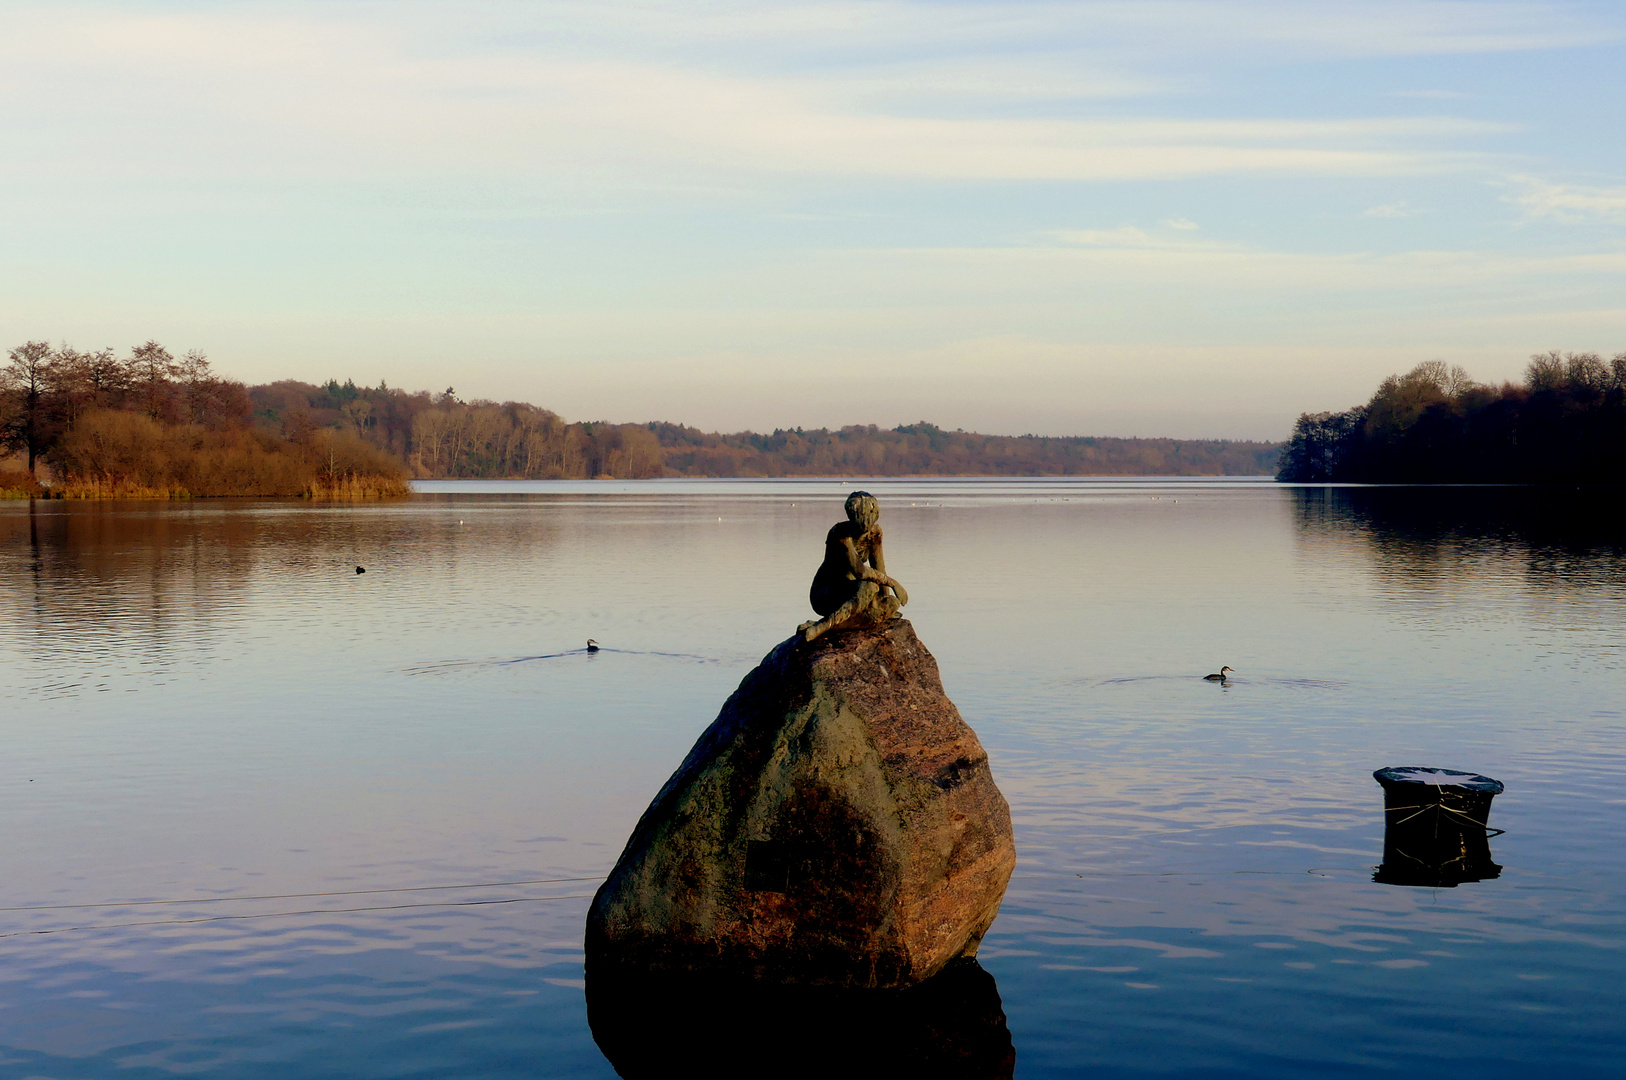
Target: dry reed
358, 487
19, 485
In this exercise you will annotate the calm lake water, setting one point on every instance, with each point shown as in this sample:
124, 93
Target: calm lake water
266, 817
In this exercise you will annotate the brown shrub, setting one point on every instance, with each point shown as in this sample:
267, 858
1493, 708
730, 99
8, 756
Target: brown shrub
117, 454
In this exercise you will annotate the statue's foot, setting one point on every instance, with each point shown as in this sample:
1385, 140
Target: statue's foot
813, 630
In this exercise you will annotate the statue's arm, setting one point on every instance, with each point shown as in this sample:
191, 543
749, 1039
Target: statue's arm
856, 566
879, 575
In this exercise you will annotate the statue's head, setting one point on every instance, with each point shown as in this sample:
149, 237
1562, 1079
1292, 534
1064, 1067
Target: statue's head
863, 510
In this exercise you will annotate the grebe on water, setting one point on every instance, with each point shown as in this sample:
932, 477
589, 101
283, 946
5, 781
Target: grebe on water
1219, 676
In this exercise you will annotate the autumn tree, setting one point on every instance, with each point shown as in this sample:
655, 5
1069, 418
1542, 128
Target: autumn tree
152, 373
27, 422
1565, 424
84, 381
1323, 447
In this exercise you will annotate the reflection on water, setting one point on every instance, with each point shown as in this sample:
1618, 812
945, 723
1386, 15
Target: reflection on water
203, 703
1436, 855
1566, 538
952, 1026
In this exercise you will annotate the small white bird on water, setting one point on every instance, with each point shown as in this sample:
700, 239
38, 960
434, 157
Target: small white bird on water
1219, 676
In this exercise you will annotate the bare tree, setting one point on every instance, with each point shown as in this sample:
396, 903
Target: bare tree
1587, 374
429, 437
70, 385
87, 381
1546, 371
198, 385
152, 372
26, 420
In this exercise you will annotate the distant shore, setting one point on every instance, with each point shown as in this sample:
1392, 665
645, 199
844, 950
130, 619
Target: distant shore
151, 425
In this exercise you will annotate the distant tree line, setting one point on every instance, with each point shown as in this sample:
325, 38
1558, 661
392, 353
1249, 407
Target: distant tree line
438, 435
1565, 423
927, 450
150, 424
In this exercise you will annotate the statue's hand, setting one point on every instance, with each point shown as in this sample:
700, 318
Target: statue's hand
903, 594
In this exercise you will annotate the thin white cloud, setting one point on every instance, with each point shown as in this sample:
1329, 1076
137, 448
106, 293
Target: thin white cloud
1431, 95
1568, 202
1299, 28
1401, 209
1127, 237
1183, 224
1084, 261
958, 82
238, 95
1121, 237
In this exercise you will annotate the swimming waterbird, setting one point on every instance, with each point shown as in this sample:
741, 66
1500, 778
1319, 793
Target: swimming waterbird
592, 646
361, 569
1219, 676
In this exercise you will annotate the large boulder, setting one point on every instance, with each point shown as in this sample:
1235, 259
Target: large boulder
836, 824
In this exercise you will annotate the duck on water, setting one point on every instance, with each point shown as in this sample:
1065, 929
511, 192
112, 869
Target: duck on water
1222, 675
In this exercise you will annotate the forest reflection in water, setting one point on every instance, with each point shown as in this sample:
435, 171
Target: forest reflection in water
1567, 538
206, 704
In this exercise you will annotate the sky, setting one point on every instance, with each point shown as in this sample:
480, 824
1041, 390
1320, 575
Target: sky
1193, 219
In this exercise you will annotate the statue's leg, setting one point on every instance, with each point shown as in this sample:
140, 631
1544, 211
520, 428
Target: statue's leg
864, 598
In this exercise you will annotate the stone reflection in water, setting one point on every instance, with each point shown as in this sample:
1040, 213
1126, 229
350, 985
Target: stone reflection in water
951, 1026
1435, 831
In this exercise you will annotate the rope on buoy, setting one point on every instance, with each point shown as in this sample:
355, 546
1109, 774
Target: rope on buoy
1448, 809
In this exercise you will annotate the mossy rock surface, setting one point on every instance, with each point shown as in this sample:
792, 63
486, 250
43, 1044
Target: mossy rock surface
836, 824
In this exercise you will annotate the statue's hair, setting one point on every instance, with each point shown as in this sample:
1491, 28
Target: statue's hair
863, 508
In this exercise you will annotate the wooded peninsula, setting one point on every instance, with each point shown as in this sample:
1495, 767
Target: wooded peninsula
153, 425
1564, 423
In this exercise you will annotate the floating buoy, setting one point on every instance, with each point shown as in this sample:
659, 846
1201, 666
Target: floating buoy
1435, 831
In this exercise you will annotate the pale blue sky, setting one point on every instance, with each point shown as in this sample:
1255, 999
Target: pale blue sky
1070, 218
